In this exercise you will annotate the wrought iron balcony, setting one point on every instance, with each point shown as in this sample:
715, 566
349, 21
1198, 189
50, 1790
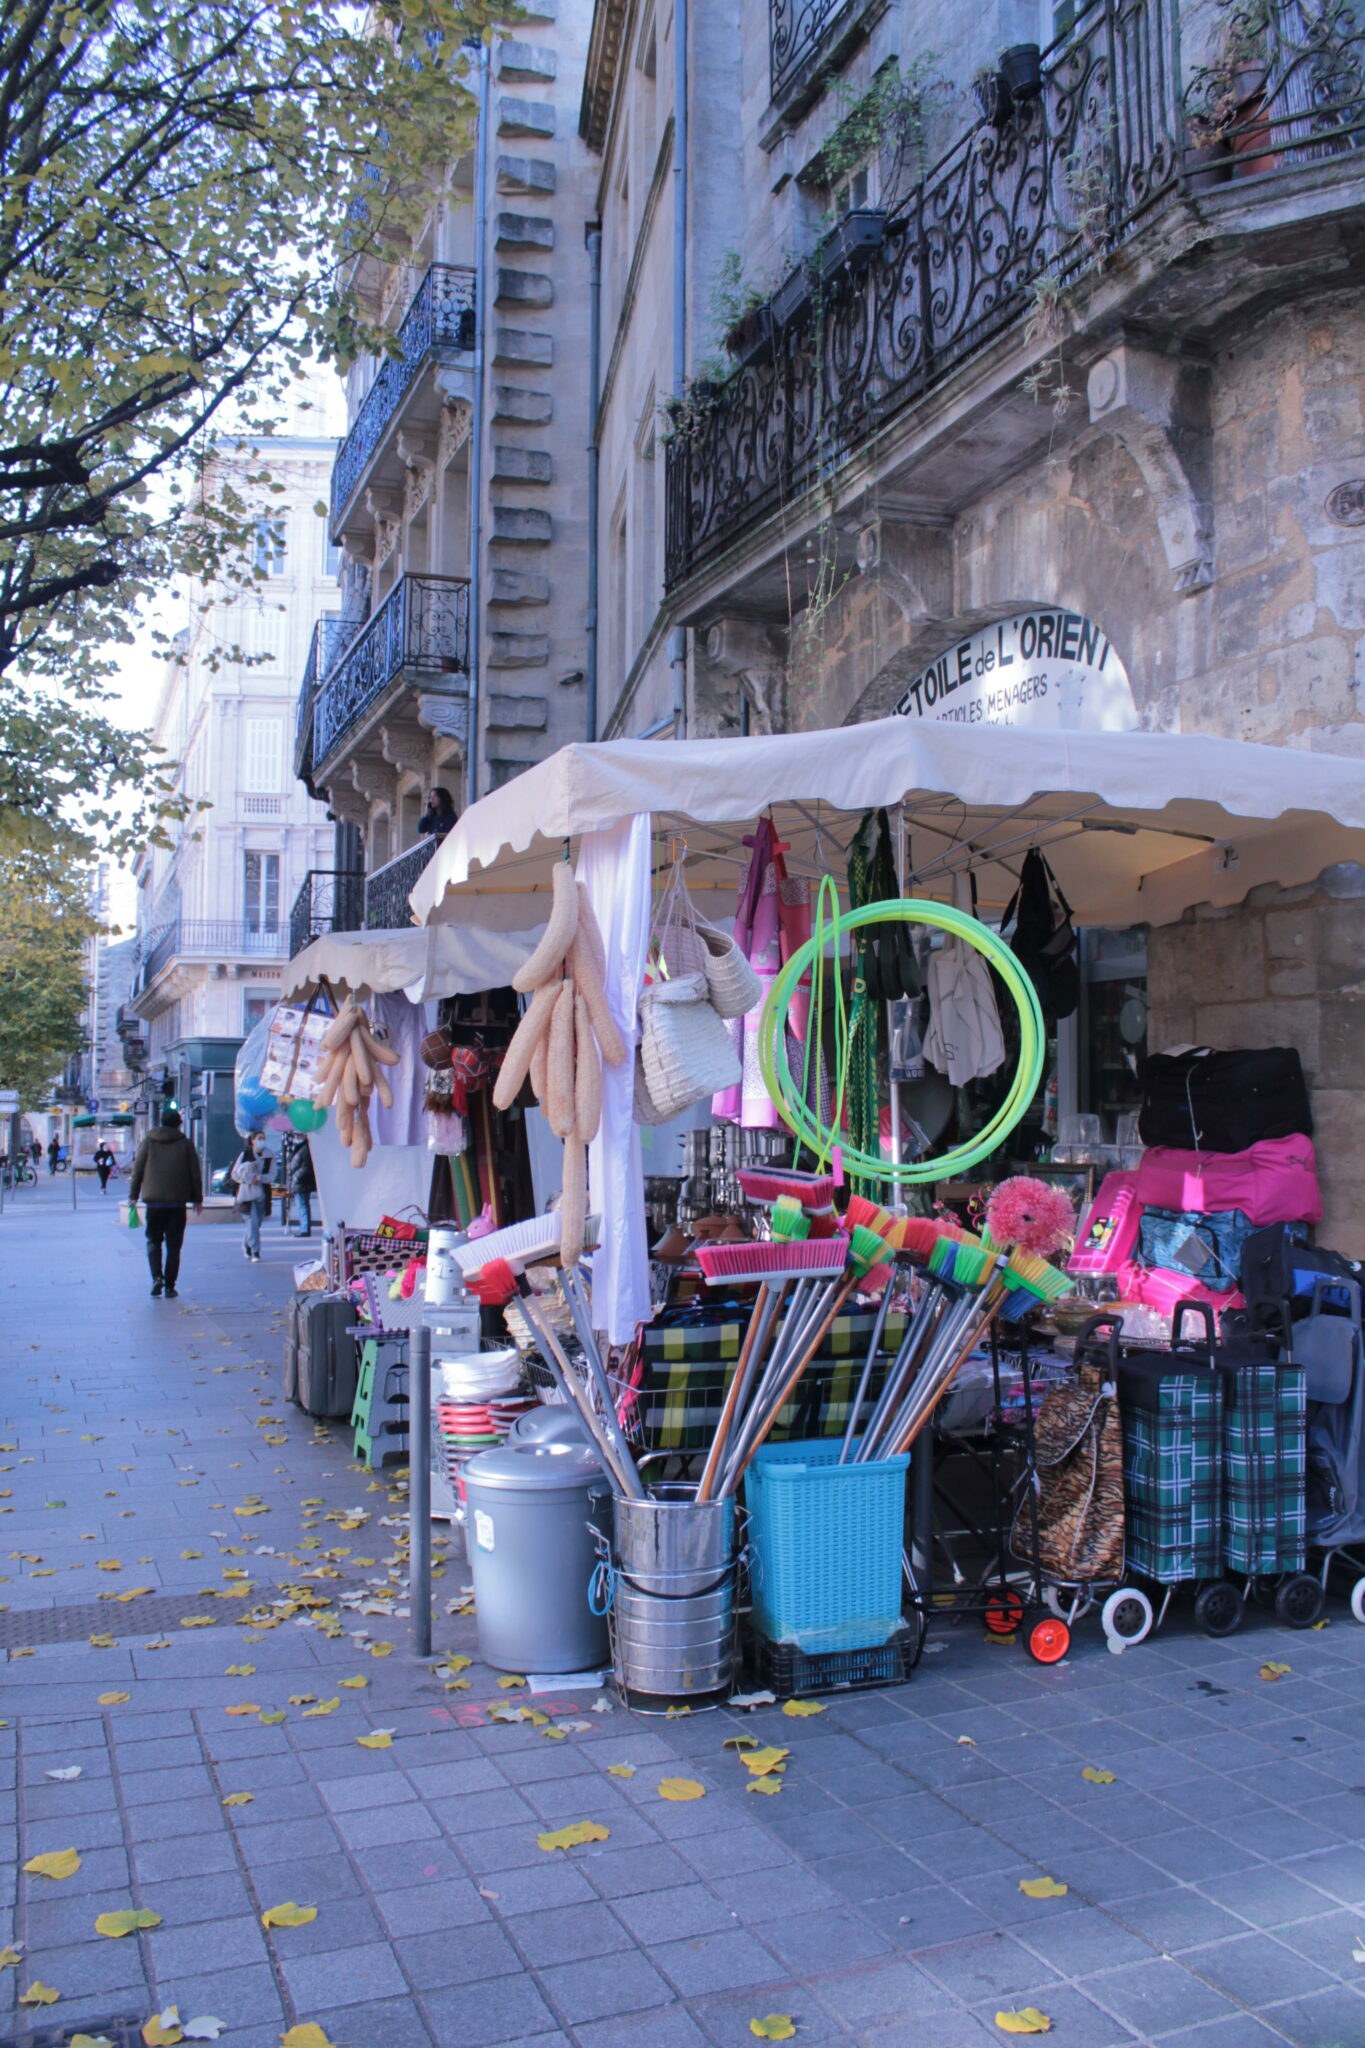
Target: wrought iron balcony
387, 890
331, 900
217, 938
988, 238
796, 31
328, 638
441, 316
421, 632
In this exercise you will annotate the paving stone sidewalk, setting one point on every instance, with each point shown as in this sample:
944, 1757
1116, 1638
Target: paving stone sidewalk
1215, 1889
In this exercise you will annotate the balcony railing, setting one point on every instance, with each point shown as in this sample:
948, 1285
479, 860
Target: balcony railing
212, 939
331, 900
387, 890
796, 29
329, 635
441, 316
421, 629
1045, 197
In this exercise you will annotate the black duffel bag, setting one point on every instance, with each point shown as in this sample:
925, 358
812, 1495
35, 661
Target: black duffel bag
1208, 1101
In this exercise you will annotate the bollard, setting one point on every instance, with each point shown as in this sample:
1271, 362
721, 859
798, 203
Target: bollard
419, 1487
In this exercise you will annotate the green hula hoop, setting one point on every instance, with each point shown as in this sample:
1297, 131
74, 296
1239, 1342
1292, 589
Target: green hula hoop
777, 1077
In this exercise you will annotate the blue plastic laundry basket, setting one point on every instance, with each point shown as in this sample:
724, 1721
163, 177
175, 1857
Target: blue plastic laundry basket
825, 1544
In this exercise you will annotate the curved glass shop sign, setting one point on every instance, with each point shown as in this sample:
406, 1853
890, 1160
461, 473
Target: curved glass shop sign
1042, 667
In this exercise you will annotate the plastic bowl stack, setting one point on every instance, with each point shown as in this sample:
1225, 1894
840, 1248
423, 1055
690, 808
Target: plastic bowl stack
482, 1394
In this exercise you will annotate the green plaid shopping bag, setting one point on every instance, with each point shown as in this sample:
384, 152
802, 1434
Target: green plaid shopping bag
1172, 1472
1265, 1465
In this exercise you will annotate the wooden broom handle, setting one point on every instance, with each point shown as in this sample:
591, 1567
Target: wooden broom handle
732, 1395
846, 1288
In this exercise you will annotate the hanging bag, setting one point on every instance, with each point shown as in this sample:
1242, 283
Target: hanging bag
1044, 938
1079, 1440
685, 1049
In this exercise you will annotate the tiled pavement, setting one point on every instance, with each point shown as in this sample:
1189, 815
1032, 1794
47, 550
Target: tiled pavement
1216, 1889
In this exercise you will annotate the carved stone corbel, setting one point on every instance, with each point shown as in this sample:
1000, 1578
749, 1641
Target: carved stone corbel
755, 655
1158, 407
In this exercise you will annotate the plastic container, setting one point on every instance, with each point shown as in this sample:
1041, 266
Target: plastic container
530, 1511
790, 1673
825, 1544
673, 1599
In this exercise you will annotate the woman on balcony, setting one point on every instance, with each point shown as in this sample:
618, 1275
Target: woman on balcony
439, 815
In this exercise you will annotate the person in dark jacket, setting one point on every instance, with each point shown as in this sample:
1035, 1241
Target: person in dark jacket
439, 815
54, 1153
166, 1174
303, 1186
104, 1164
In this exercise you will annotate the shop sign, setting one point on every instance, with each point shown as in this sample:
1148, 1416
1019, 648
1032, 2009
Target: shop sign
1042, 667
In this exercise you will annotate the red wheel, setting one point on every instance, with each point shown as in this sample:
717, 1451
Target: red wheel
1049, 1640
1004, 1612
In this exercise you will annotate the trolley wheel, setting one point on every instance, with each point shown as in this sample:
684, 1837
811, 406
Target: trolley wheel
1298, 1600
1126, 1616
1358, 1600
1055, 1604
1218, 1608
1004, 1612
1048, 1638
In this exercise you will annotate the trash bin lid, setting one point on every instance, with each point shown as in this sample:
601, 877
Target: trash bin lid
550, 1426
523, 1465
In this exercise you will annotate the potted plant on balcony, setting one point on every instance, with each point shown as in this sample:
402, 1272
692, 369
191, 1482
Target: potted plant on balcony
792, 300
745, 314
685, 418
1021, 67
993, 96
852, 242
1227, 121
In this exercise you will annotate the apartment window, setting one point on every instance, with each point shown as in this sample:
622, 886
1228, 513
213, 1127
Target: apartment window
263, 767
331, 556
256, 1007
1061, 16
261, 892
269, 553
861, 187
646, 99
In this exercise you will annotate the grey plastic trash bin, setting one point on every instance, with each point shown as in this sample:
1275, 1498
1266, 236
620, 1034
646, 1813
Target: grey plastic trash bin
528, 1508
549, 1426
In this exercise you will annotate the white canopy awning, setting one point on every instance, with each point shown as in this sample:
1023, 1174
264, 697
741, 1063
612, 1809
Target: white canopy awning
448, 959
1137, 826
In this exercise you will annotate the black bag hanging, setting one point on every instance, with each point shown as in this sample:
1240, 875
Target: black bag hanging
1044, 939
890, 967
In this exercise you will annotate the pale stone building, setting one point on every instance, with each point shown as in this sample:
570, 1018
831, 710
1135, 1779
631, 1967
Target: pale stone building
1099, 352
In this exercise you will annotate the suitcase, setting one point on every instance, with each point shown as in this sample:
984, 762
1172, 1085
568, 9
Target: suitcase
1210, 1101
1171, 1402
1278, 1266
320, 1368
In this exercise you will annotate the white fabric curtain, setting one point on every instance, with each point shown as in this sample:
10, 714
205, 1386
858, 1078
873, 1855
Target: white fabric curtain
614, 868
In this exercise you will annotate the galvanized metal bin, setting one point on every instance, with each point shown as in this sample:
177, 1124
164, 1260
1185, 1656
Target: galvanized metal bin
672, 1611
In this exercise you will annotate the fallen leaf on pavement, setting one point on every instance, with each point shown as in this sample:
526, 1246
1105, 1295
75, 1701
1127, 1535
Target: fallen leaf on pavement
273, 1719
10, 1958
1270, 1672
196, 1621
763, 1761
1042, 1888
381, 1649
307, 2035
767, 1784
130, 1921
239, 1799
508, 1683
620, 1770
65, 1774
1094, 1777
288, 1915
244, 1707
102, 1641
54, 1863
353, 1684
163, 2029
774, 2026
681, 1789
241, 1671
39, 1994
114, 1699
381, 1739
322, 1707
1028, 2020
570, 1837
801, 1710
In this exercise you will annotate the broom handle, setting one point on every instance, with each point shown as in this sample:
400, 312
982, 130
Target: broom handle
926, 1319
581, 1311
922, 1410
779, 1401
566, 1379
765, 1301
807, 1298
883, 1308
941, 1350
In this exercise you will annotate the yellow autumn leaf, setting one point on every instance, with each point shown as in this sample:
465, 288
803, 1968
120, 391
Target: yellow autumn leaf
740, 1742
774, 2026
1027, 2020
273, 1719
90, 2041
196, 1621
620, 1770
508, 1683
108, 1564
103, 1641
681, 1789
381, 1739
353, 1684
39, 1994
454, 1665
1094, 1777
381, 1649
768, 1783
553, 1734
240, 1671
1270, 1672
1042, 1888
162, 2030
191, 1553
288, 1915
10, 1958
322, 1707
116, 1925
244, 1707
54, 1863
764, 1761
453, 1684
308, 2034
114, 1699
133, 1593
801, 1710
302, 1699
572, 1836
239, 1799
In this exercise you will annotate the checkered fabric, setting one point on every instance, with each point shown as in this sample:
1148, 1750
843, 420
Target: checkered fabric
1265, 1465
1172, 1475
685, 1371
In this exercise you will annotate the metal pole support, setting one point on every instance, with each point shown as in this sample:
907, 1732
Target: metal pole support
419, 1487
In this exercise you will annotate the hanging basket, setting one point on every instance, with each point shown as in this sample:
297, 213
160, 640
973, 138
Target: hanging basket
731, 983
686, 1053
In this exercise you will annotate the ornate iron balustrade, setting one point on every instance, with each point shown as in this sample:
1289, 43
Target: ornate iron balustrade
796, 29
421, 628
331, 900
214, 938
329, 636
1287, 86
1044, 198
440, 316
387, 890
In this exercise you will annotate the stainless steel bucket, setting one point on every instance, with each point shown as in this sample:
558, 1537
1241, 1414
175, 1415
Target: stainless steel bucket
673, 1606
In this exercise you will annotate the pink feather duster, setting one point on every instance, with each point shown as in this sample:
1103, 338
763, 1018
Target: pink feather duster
1032, 1214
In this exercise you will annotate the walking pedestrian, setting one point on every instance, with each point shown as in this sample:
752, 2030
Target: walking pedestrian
54, 1153
167, 1171
104, 1165
302, 1186
251, 1171
37, 1150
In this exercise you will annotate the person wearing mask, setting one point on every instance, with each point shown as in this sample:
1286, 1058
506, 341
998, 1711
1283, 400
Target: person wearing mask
104, 1164
439, 815
251, 1172
166, 1174
302, 1186
54, 1153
